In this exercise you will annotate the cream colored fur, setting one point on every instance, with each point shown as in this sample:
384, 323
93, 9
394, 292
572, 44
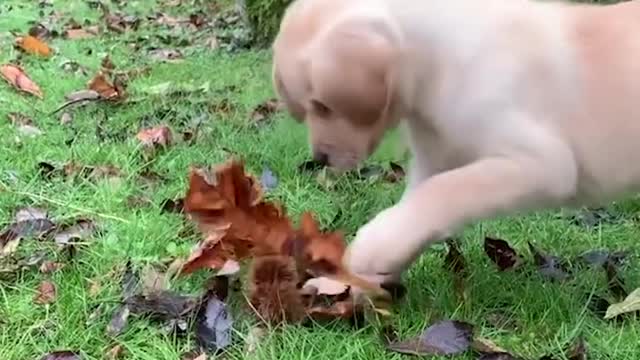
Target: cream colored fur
509, 106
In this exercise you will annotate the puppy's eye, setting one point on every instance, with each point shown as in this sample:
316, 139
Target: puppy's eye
320, 108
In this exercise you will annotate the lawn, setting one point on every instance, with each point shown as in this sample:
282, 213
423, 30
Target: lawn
222, 83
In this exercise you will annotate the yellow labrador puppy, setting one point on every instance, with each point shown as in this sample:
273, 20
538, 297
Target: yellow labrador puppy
509, 106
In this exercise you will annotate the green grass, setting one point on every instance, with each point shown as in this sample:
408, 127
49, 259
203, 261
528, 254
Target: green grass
550, 315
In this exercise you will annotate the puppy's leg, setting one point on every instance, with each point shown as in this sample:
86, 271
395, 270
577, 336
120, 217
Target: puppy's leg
489, 187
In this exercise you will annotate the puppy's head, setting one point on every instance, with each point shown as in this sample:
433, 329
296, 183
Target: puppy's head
341, 85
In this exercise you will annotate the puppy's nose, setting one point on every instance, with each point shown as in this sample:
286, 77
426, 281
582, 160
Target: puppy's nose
321, 158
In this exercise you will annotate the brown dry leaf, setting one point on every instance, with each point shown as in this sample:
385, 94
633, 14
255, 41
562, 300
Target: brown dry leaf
81, 33
19, 80
106, 89
155, 136
46, 293
33, 45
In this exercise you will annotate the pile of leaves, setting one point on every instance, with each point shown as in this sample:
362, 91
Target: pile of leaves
292, 271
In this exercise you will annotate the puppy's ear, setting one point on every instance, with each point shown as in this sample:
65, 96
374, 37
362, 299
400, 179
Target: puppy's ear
296, 110
352, 69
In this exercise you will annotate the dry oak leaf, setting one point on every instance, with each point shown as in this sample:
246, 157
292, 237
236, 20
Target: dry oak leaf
33, 45
19, 80
106, 89
229, 211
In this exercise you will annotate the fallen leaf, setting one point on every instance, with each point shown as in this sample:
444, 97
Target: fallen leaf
156, 136
268, 179
119, 320
48, 267
115, 352
230, 267
264, 111
39, 31
173, 205
446, 337
46, 293
310, 166
33, 45
578, 351
214, 325
498, 356
106, 89
549, 266
81, 33
325, 286
163, 305
630, 304
600, 257
118, 22
153, 280
502, 254
396, 173
593, 217
66, 118
83, 95
253, 339
455, 263
19, 80
78, 230
486, 346
165, 54
614, 281
273, 294
29, 222
62, 355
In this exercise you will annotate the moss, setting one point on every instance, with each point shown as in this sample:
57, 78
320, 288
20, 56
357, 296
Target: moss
264, 19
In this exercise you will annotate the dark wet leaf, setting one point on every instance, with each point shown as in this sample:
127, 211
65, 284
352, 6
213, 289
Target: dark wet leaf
29, 222
219, 286
593, 217
310, 166
163, 305
62, 355
47, 170
501, 253
446, 337
268, 179
549, 266
598, 305
118, 321
214, 325
601, 256
173, 206
614, 281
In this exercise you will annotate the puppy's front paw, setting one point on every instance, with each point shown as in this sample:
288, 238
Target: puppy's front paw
384, 247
